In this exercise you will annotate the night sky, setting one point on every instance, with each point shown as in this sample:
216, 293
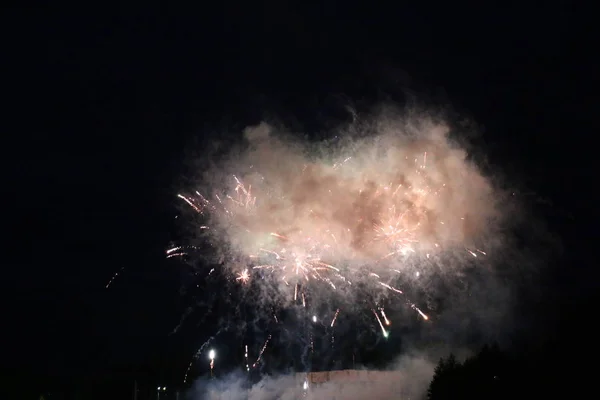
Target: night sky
105, 105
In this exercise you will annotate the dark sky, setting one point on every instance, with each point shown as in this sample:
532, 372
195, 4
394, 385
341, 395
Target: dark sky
102, 104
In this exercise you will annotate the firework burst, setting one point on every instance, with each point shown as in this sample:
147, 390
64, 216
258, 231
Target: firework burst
398, 199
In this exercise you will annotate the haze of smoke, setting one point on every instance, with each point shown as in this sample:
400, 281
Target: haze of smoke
406, 173
409, 378
342, 195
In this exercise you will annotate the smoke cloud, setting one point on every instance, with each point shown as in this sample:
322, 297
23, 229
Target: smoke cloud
389, 204
409, 378
388, 194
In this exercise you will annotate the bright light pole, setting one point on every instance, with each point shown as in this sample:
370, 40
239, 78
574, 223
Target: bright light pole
211, 356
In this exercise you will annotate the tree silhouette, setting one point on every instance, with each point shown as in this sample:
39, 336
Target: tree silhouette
444, 382
480, 376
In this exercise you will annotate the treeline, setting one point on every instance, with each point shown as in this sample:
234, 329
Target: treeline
496, 374
478, 377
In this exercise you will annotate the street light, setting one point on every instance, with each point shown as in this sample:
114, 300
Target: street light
211, 355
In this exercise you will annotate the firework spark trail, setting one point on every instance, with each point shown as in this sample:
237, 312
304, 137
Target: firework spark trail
335, 317
385, 333
412, 305
181, 251
113, 278
262, 350
421, 313
173, 250
385, 285
186, 314
333, 323
190, 202
197, 354
387, 321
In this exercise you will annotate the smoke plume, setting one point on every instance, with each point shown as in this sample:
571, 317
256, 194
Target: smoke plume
391, 203
382, 192
408, 378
